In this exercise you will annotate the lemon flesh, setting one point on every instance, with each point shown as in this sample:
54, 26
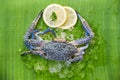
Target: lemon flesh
71, 18
54, 15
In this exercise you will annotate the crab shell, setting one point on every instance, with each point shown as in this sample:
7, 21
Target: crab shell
58, 50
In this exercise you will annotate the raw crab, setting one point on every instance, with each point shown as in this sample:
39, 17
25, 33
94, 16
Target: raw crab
58, 50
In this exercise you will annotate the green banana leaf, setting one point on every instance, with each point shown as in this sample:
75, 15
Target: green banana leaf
101, 61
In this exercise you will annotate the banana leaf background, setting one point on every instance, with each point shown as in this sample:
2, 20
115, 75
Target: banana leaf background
17, 15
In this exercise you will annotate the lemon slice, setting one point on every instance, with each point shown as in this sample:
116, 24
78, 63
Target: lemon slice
54, 15
71, 18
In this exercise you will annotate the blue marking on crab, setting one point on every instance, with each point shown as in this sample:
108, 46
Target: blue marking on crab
50, 30
33, 34
56, 50
86, 26
31, 47
28, 45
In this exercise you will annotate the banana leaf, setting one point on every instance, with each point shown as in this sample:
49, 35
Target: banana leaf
101, 61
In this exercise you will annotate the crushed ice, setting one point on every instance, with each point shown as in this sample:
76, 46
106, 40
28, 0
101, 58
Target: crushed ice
55, 68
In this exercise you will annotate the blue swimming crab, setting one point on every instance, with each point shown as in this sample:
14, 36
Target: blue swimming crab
59, 50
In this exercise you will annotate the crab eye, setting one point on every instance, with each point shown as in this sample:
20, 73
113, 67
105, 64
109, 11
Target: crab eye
45, 54
72, 56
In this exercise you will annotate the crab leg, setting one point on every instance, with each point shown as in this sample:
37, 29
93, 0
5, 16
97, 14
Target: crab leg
81, 41
83, 48
33, 34
50, 30
31, 43
40, 52
88, 30
79, 55
86, 26
37, 35
32, 26
35, 41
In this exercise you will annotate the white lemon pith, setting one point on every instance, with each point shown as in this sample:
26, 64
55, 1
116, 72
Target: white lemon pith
71, 18
54, 15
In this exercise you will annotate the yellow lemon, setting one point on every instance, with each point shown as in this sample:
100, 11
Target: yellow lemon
54, 15
71, 18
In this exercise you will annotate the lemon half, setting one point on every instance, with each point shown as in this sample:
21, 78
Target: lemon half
54, 15
71, 18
